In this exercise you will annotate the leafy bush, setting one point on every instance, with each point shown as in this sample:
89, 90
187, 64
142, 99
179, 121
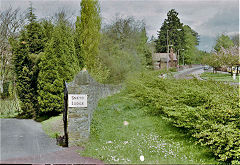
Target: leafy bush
5, 93
124, 48
9, 108
208, 110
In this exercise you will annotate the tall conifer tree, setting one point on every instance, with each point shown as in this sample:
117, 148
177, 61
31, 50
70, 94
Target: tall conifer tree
77, 41
25, 52
174, 28
89, 32
58, 64
24, 76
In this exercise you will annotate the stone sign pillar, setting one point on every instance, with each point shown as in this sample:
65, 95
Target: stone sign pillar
79, 118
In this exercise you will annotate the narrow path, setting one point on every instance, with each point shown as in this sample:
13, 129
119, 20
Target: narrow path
23, 141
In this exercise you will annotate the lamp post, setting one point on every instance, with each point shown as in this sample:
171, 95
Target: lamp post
178, 57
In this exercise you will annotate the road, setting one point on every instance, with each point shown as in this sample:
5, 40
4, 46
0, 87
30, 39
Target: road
23, 141
21, 138
196, 72
190, 72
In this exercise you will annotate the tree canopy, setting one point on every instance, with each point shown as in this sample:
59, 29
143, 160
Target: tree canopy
171, 33
191, 39
25, 51
223, 41
58, 64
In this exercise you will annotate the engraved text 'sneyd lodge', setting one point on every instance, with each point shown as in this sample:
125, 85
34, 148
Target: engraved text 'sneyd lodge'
75, 100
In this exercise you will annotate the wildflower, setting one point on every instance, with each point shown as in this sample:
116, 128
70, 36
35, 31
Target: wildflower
125, 123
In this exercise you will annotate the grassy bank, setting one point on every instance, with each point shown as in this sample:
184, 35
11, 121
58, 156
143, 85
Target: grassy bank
53, 126
166, 121
122, 131
219, 77
9, 108
208, 110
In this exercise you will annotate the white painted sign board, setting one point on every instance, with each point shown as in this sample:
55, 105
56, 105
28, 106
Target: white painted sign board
75, 100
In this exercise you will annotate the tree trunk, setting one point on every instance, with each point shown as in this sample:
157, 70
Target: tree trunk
1, 86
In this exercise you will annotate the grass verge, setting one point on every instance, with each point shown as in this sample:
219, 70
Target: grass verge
122, 131
9, 108
53, 126
219, 77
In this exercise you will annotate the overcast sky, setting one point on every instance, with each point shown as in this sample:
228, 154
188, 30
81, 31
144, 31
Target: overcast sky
209, 18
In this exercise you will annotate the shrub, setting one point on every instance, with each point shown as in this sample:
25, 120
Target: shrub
208, 110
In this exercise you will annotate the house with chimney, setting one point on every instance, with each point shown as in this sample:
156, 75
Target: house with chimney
162, 60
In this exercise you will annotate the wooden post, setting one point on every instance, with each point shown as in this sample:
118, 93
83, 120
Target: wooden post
65, 114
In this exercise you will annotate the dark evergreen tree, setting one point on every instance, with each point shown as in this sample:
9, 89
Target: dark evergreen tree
26, 52
34, 33
58, 64
47, 28
24, 75
173, 28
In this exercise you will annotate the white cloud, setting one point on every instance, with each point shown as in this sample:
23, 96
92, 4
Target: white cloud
208, 17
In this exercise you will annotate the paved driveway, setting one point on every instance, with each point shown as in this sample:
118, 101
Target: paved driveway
23, 141
21, 138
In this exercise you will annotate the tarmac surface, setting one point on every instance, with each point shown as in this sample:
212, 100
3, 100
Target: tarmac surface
190, 72
23, 141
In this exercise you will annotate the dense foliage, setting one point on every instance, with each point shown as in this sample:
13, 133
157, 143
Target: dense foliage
178, 36
88, 33
223, 41
190, 52
171, 33
209, 110
225, 57
124, 48
26, 51
58, 64
44, 57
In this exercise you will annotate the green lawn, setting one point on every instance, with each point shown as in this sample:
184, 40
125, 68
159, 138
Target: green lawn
150, 136
219, 77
